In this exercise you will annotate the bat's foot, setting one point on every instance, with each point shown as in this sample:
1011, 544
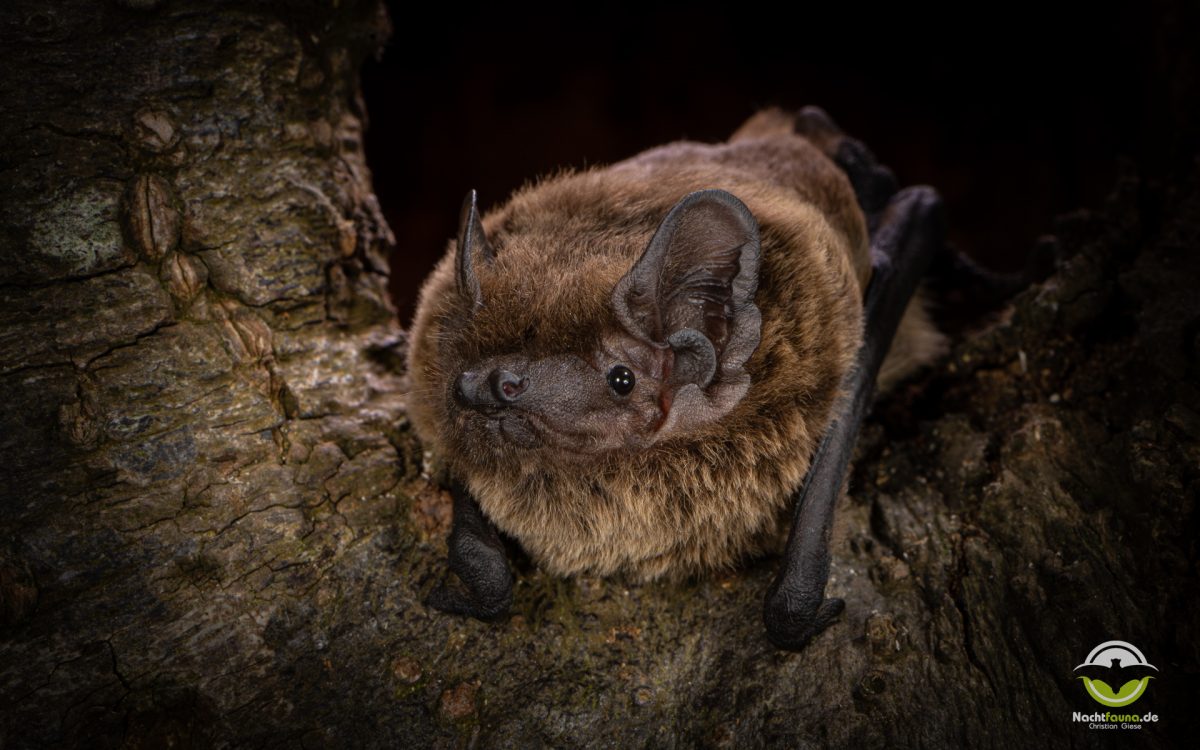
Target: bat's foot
793, 622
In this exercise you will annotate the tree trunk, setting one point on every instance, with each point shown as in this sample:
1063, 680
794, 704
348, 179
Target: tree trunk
215, 529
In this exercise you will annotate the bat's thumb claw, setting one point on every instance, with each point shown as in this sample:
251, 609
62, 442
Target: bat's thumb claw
791, 629
446, 599
455, 602
829, 611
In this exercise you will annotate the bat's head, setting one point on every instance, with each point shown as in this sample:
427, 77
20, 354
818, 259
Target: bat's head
573, 352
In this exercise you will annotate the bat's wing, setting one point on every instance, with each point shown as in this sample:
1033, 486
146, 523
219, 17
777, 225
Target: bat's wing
905, 237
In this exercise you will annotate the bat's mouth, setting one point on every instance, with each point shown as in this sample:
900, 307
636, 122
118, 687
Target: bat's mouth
517, 430
502, 427
497, 429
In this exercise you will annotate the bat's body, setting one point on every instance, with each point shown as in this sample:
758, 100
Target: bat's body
632, 376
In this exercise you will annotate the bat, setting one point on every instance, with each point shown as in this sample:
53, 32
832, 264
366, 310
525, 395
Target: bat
648, 368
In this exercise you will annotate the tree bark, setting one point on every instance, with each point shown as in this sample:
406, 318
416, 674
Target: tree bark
216, 528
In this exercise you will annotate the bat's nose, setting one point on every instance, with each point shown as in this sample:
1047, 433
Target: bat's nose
498, 388
467, 390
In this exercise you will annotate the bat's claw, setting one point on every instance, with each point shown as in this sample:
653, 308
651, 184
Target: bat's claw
791, 628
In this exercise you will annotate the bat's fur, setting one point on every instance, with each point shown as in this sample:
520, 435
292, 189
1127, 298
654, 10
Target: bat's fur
697, 500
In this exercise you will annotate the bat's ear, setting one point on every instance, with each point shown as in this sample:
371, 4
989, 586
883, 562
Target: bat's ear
693, 288
472, 243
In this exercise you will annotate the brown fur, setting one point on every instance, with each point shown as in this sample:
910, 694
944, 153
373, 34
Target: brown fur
690, 502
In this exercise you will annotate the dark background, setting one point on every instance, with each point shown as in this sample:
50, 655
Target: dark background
1015, 113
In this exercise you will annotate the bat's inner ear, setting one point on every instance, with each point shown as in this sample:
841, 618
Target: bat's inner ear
693, 288
472, 244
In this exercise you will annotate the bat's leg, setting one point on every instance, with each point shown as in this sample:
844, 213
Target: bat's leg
965, 289
477, 558
909, 234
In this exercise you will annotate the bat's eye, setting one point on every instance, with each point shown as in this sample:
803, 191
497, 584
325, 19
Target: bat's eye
620, 379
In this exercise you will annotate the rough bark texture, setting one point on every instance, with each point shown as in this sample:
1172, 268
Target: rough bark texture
215, 530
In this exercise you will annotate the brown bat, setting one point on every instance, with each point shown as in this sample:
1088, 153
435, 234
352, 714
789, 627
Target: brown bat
632, 369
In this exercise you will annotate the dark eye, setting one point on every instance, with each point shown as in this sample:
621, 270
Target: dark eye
620, 379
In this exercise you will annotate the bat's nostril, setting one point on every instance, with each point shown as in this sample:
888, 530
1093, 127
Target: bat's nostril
506, 386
